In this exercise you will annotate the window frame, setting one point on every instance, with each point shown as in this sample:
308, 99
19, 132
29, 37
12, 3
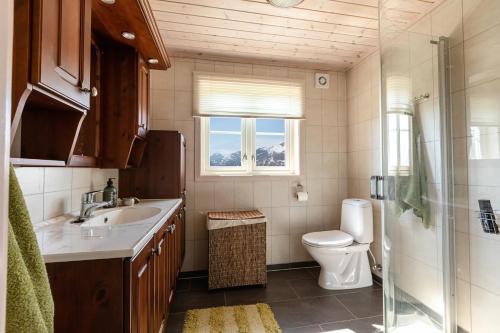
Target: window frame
248, 140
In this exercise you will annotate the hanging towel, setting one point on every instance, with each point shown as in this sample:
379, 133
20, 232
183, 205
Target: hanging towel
30, 307
412, 190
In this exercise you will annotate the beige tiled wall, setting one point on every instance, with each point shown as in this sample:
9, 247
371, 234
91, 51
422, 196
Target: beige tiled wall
50, 192
363, 136
479, 273
323, 162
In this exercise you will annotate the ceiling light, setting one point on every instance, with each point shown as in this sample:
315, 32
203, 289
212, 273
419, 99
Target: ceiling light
128, 35
284, 3
153, 61
108, 2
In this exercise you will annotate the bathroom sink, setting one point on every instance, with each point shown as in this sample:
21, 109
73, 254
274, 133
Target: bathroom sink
124, 215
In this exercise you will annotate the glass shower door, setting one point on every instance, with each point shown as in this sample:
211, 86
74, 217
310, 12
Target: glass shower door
417, 181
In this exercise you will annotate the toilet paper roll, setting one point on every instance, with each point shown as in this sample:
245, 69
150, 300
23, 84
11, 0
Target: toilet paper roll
302, 196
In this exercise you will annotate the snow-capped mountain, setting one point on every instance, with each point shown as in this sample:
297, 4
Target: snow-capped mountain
232, 159
271, 156
266, 156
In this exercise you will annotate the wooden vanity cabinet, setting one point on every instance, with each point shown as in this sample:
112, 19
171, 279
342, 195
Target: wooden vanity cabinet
120, 294
153, 277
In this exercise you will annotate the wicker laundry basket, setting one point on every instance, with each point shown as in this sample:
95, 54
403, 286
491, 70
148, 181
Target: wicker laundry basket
236, 249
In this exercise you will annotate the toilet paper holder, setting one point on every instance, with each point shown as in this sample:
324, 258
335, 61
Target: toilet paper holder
301, 194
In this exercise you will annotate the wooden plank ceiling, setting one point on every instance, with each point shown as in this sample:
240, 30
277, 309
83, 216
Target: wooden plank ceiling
319, 34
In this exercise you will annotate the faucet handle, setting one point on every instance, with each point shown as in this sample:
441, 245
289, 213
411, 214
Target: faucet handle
89, 197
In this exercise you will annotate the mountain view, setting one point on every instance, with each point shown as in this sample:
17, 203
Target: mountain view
232, 159
271, 156
266, 156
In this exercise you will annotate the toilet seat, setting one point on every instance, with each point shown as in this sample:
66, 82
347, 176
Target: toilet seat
331, 238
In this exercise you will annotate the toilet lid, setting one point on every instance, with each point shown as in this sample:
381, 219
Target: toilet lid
332, 238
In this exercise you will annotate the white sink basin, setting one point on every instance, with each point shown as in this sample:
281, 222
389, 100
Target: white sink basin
125, 215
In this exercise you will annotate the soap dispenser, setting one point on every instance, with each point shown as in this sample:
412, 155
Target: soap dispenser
109, 194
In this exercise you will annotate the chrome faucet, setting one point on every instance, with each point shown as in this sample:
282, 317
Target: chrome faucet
89, 205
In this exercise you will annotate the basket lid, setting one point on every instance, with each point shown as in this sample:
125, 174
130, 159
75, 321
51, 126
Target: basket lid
236, 215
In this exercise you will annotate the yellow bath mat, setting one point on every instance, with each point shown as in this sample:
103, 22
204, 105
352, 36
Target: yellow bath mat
255, 318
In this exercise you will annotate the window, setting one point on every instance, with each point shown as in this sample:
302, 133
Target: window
399, 147
248, 146
248, 125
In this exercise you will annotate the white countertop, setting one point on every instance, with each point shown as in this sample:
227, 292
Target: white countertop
61, 241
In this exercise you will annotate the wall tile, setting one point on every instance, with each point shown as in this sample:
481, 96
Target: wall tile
280, 247
204, 196
479, 16
281, 221
480, 57
57, 179
56, 203
298, 220
81, 177
34, 203
184, 75
243, 195
30, 180
279, 193
262, 194
183, 105
224, 194
484, 307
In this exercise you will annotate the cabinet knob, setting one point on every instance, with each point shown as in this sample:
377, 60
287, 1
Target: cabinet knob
93, 92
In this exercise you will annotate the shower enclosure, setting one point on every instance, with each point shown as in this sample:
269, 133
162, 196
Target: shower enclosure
416, 184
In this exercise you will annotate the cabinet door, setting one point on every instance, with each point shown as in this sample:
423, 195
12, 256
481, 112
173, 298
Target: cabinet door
143, 97
160, 279
142, 285
61, 48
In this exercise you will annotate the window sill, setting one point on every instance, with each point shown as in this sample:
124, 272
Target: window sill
245, 176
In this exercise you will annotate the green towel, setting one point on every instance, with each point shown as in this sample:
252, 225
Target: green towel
411, 191
30, 307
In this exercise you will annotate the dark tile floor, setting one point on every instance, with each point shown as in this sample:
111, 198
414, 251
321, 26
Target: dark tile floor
298, 303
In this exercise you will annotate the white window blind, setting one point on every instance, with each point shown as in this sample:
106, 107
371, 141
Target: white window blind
226, 95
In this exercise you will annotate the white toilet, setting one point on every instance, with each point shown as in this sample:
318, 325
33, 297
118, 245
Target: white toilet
343, 254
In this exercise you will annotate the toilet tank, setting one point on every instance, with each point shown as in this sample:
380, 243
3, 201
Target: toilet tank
357, 219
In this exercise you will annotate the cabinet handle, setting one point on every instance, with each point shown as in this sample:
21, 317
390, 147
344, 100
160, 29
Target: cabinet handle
157, 251
142, 126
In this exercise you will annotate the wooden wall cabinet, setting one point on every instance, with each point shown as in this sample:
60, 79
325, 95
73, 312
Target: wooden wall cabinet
162, 172
54, 73
122, 294
51, 76
61, 48
125, 83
